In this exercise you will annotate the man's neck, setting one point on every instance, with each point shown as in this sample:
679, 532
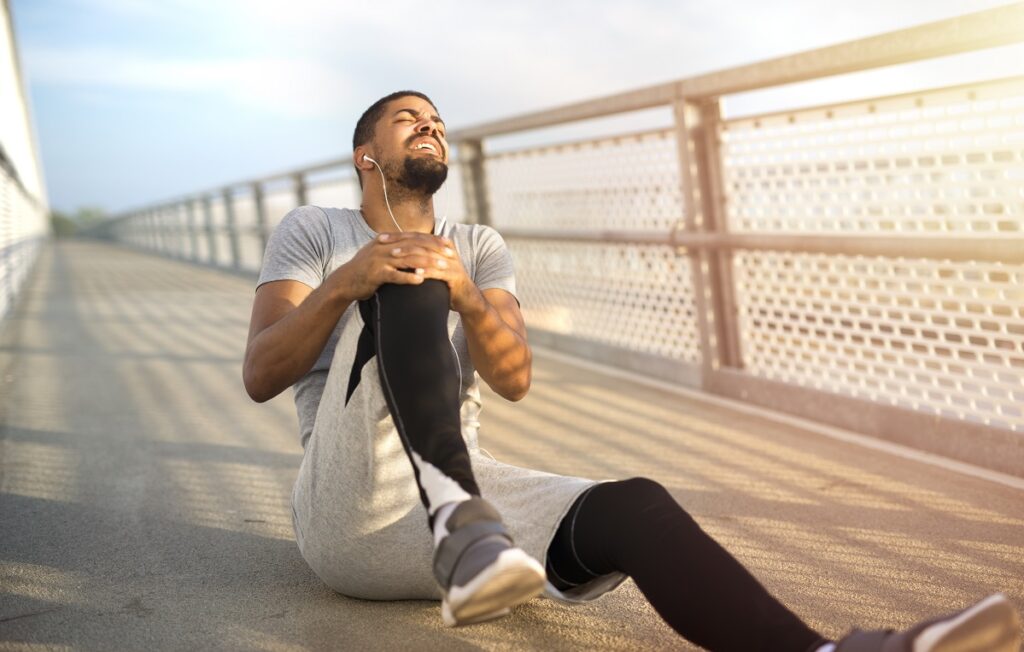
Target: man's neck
411, 213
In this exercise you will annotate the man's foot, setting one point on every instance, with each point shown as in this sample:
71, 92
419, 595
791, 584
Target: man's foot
991, 625
481, 572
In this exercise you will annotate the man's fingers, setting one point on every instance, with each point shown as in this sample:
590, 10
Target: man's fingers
404, 277
411, 238
402, 259
408, 248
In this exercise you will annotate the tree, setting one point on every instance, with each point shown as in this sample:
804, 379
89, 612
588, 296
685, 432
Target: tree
67, 226
63, 226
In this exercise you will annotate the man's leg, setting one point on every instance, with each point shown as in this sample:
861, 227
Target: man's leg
636, 527
475, 563
407, 329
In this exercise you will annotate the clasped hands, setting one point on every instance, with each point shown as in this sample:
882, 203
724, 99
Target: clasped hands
409, 258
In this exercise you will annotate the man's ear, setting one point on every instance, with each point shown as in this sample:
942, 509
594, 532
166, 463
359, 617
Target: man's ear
358, 158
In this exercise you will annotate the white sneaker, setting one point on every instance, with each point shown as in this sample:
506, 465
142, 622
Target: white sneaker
991, 625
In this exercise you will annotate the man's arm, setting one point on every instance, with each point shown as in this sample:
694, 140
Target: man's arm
290, 325
496, 335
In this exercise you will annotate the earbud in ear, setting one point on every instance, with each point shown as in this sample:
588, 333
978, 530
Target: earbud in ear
367, 158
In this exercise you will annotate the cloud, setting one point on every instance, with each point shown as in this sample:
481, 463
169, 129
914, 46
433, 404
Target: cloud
310, 58
291, 87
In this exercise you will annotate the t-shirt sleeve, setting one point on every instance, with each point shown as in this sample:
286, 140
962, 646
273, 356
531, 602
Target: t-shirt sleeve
494, 268
299, 249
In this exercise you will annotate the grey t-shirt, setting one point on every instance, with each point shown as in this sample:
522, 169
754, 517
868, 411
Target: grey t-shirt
311, 242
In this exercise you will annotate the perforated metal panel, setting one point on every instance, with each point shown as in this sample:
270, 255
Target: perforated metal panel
950, 161
23, 225
345, 193
635, 297
930, 335
277, 203
221, 235
941, 337
450, 200
628, 182
250, 244
169, 230
339, 193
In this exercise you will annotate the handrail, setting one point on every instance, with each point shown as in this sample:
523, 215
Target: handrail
1003, 249
980, 30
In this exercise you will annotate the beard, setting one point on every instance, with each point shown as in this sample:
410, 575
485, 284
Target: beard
422, 174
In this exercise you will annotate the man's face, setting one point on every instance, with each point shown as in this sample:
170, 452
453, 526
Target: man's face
410, 137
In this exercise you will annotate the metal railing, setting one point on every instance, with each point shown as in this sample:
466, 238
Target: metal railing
860, 264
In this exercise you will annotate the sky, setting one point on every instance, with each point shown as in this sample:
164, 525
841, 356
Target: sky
137, 101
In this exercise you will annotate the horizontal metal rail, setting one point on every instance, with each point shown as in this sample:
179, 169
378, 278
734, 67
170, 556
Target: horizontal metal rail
983, 29
1008, 249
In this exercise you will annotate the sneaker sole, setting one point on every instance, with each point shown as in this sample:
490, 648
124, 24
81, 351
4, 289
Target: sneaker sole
992, 625
512, 579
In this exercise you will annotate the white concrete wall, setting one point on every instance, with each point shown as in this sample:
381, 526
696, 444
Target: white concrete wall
17, 135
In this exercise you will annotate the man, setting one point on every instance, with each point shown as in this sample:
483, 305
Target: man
381, 319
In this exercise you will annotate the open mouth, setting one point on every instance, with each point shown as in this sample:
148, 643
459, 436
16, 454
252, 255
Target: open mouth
430, 147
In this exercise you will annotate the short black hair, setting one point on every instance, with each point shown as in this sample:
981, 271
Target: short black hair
367, 124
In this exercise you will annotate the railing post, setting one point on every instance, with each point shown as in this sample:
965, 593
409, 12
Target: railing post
153, 225
700, 170
300, 189
193, 228
211, 234
181, 228
158, 227
261, 218
141, 225
141, 233
474, 181
149, 226
170, 234
229, 216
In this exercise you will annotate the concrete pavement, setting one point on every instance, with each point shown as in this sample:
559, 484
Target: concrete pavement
144, 497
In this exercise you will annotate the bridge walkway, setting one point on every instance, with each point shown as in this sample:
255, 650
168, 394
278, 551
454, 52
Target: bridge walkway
144, 497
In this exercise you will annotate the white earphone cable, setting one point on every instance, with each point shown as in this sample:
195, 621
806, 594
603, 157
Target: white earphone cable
385, 186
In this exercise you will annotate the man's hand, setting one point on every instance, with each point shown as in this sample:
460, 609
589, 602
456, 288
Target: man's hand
383, 261
428, 256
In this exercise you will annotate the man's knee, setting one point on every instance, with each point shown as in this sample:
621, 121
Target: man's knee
636, 490
430, 296
639, 498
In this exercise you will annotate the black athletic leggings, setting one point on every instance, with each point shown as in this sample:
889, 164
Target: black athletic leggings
406, 328
633, 526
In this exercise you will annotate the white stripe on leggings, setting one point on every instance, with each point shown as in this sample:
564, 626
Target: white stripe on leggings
438, 487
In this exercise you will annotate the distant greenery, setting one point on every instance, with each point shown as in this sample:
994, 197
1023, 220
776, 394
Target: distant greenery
67, 226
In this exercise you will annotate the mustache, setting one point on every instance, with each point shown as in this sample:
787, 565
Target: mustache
440, 147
